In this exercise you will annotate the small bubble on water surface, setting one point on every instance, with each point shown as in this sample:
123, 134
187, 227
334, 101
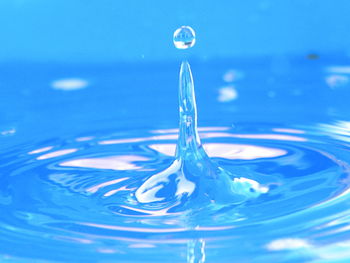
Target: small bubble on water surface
184, 37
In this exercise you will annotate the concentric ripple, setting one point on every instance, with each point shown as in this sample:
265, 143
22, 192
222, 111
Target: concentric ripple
76, 196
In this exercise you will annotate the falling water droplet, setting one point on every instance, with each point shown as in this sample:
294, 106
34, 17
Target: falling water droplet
184, 37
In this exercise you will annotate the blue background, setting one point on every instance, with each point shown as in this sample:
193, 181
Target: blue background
133, 30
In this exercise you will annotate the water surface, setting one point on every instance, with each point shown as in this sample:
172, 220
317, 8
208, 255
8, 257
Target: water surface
77, 141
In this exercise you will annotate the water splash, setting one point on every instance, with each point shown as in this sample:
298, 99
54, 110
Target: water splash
193, 179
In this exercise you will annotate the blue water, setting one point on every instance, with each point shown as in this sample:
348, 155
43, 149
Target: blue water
77, 141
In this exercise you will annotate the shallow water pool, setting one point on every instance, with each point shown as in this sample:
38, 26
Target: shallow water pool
78, 140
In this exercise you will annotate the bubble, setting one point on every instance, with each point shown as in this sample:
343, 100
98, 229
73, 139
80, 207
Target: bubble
184, 37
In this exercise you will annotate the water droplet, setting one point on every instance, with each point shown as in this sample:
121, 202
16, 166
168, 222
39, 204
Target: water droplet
184, 37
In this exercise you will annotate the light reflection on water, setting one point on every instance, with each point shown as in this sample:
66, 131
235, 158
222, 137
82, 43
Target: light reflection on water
122, 162
227, 151
162, 220
69, 188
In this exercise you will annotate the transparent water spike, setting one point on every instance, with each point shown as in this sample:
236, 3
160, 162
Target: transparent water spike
193, 178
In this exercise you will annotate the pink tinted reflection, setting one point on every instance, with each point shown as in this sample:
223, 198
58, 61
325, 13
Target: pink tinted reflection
282, 137
56, 154
159, 212
135, 229
141, 139
153, 230
142, 245
162, 131
95, 188
40, 150
84, 139
227, 150
122, 162
285, 130
75, 239
107, 250
112, 192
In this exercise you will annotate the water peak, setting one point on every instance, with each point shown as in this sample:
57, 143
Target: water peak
193, 178
189, 141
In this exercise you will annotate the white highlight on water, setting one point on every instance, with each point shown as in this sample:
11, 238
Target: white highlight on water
69, 84
288, 244
227, 93
56, 154
8, 132
232, 75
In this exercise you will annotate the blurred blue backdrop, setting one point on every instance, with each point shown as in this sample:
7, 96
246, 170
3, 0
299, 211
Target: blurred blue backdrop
111, 30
